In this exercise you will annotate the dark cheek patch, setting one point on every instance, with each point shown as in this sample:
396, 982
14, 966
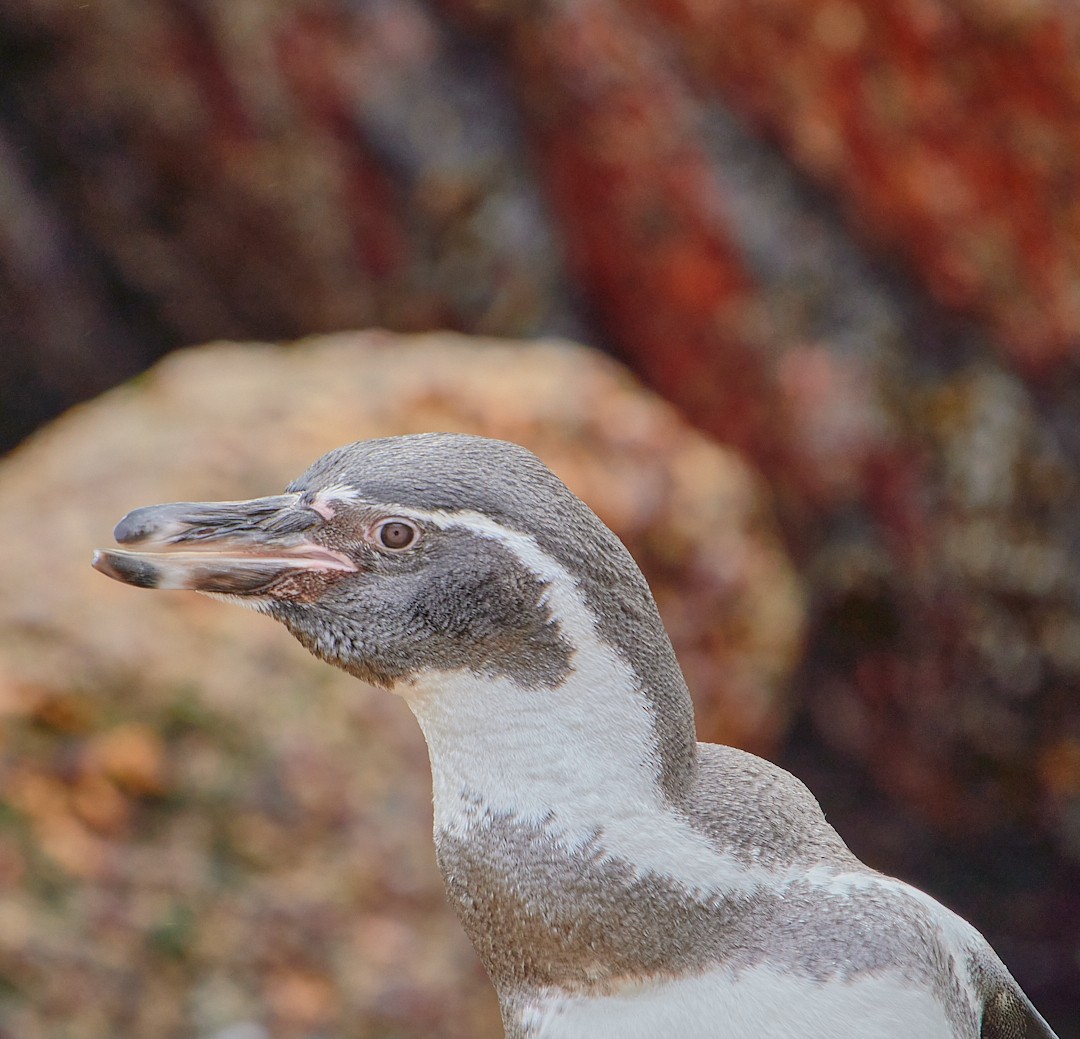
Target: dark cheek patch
457, 602
461, 602
481, 609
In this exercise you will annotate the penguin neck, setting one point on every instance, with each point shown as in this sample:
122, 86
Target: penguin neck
575, 755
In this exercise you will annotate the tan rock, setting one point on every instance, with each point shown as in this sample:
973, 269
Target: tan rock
204, 809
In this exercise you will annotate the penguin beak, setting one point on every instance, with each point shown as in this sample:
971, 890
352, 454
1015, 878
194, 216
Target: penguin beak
256, 548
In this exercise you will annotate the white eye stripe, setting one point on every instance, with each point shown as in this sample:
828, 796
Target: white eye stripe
522, 545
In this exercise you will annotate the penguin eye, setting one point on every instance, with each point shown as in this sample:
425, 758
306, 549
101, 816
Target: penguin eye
396, 534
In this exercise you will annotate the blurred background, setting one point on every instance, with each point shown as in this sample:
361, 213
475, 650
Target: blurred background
837, 243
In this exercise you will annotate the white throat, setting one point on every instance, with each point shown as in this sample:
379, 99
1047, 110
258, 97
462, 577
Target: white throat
574, 755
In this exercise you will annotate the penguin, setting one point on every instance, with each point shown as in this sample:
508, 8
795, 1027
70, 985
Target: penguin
619, 879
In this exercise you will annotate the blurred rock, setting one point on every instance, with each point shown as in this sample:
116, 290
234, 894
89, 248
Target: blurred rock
202, 825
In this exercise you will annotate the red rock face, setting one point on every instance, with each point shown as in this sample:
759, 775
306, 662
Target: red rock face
951, 132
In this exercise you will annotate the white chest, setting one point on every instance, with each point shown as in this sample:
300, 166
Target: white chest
757, 1003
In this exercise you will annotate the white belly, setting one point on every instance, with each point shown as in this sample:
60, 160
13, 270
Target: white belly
754, 1004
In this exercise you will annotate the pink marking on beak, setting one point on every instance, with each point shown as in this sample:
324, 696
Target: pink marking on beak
322, 506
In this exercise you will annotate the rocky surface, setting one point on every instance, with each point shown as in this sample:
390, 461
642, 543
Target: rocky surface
206, 832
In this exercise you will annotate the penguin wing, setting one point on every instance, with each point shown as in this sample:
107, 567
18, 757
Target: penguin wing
1007, 1012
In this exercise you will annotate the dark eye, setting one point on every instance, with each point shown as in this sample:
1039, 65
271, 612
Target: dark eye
396, 534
